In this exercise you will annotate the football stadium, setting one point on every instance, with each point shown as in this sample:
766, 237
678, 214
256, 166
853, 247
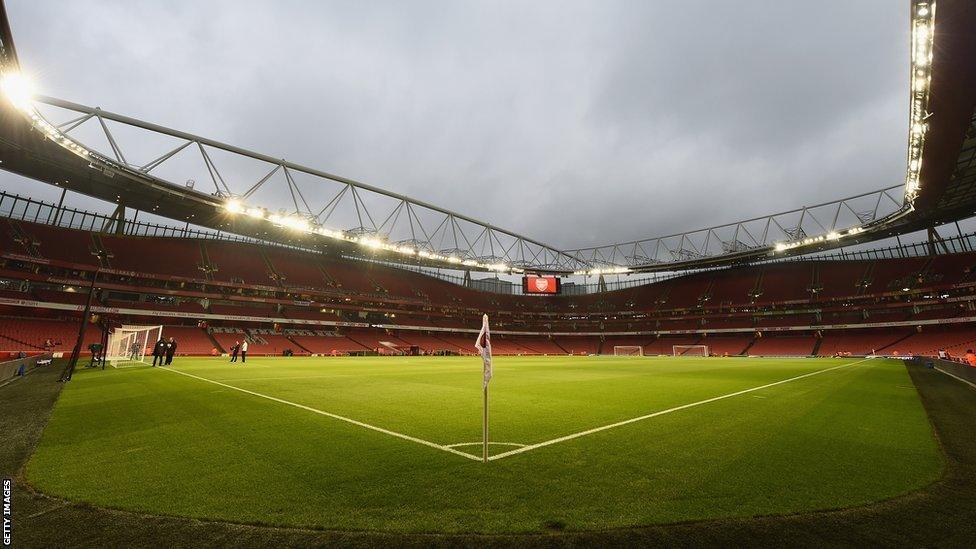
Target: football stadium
203, 344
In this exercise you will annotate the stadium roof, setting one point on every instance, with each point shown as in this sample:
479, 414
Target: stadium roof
39, 139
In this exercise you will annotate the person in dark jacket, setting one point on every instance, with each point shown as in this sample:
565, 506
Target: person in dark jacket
233, 351
159, 352
170, 350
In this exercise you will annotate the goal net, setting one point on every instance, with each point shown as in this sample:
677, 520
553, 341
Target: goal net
129, 345
628, 350
690, 350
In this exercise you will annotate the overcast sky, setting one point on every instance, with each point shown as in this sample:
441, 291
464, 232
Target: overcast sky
572, 122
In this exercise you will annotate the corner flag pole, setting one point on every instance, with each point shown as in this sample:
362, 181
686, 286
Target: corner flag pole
483, 345
484, 429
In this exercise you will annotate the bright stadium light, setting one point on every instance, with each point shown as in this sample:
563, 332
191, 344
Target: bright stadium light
923, 29
18, 89
371, 242
234, 206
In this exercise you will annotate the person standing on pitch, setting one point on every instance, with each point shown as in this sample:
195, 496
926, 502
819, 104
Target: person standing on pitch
170, 350
159, 352
244, 351
233, 351
134, 351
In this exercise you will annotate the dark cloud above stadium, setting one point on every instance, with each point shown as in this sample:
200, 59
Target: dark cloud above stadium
572, 122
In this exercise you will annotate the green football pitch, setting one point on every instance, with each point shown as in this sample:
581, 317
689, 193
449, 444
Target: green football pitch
393, 444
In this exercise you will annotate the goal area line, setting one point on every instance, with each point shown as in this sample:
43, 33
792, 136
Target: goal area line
452, 448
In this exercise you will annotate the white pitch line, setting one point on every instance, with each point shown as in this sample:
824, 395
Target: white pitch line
967, 382
480, 443
334, 416
662, 412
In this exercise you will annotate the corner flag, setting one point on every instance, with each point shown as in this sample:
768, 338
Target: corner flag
483, 345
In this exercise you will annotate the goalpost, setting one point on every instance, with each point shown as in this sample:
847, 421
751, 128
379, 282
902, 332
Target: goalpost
628, 350
128, 345
690, 350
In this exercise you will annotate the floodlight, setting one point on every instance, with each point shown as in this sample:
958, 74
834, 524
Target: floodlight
371, 242
18, 89
234, 206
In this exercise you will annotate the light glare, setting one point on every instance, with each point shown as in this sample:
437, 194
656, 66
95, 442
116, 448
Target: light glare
19, 90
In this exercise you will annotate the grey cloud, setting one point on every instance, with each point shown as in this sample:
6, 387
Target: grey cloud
573, 122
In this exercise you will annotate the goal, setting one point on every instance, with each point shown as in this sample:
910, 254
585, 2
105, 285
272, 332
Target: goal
128, 345
628, 350
690, 350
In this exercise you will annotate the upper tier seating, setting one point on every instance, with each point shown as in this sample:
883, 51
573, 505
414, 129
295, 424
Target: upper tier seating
9, 237
733, 288
786, 282
62, 244
296, 270
236, 261
161, 256
841, 278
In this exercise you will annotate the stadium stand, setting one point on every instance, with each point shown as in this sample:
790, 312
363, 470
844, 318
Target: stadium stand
191, 340
296, 270
783, 345
237, 262
33, 334
159, 256
328, 344
68, 245
239, 281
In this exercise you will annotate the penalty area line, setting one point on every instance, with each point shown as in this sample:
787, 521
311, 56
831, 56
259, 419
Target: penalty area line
333, 416
663, 412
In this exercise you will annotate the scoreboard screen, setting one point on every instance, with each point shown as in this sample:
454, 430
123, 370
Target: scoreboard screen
532, 284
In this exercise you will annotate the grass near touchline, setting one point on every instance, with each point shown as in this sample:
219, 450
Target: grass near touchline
159, 442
